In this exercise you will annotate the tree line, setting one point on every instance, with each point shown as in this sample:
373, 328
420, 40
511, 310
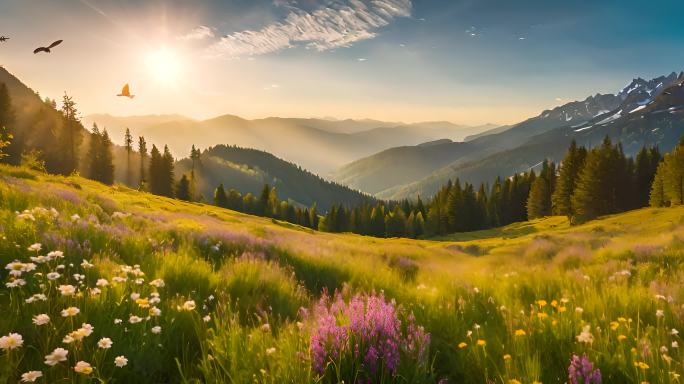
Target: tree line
668, 185
587, 184
267, 204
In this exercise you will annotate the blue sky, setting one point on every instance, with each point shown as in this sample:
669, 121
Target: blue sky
472, 61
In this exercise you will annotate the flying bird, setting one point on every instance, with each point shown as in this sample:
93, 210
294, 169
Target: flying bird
3, 39
47, 49
126, 92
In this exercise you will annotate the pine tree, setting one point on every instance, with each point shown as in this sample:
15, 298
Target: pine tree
418, 225
313, 216
142, 150
11, 143
495, 203
195, 158
220, 198
70, 136
183, 189
600, 187
539, 200
100, 157
155, 171
657, 196
128, 145
456, 208
567, 180
539, 203
377, 221
167, 173
673, 180
264, 198
623, 180
395, 223
5, 141
481, 207
94, 153
470, 210
106, 164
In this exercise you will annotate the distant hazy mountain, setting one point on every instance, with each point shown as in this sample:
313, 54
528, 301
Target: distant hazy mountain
388, 172
400, 165
648, 113
318, 145
247, 170
116, 126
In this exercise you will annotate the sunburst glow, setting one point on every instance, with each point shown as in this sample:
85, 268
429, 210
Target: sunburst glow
164, 65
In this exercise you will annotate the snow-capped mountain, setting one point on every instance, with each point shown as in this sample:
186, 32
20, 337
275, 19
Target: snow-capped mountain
645, 112
636, 96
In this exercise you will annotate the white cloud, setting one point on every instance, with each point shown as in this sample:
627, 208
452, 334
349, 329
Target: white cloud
339, 24
199, 33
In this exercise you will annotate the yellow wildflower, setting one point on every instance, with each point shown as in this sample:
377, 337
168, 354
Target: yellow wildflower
462, 345
520, 332
507, 357
481, 343
542, 315
562, 309
541, 303
614, 325
622, 338
554, 303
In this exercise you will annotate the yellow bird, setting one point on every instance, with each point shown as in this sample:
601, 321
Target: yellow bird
126, 92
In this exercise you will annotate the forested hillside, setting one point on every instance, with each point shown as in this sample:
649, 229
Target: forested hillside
247, 170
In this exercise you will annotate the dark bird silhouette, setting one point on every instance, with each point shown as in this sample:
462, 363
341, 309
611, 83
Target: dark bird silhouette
3, 39
126, 92
47, 49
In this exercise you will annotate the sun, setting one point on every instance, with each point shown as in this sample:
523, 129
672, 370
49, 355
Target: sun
164, 65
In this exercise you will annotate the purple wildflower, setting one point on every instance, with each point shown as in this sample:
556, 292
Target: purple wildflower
365, 332
581, 371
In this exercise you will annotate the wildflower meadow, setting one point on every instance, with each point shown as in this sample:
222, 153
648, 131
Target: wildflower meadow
113, 285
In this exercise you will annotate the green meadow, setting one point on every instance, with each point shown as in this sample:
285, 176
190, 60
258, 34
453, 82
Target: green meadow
140, 288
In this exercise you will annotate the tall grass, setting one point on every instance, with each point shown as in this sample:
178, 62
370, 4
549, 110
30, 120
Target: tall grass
239, 297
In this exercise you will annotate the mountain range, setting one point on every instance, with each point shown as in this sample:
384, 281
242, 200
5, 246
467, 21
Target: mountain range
385, 159
318, 145
645, 112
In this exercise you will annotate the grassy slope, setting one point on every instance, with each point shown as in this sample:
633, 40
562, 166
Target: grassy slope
512, 266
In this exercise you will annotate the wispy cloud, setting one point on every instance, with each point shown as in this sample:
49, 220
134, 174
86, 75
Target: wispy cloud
339, 24
199, 33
